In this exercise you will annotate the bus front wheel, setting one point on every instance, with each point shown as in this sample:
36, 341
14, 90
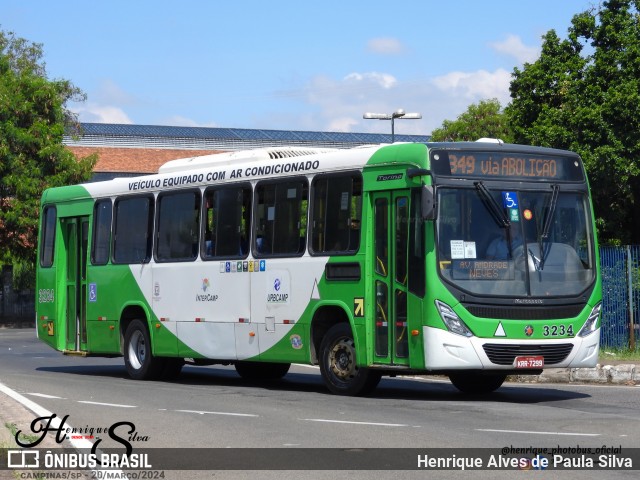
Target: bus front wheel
140, 362
338, 364
469, 382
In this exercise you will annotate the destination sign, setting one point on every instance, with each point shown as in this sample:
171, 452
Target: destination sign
482, 270
519, 166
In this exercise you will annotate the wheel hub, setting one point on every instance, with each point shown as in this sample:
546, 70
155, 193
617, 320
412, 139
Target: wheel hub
137, 350
342, 360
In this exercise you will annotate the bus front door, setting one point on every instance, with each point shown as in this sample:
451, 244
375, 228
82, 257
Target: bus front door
76, 236
390, 238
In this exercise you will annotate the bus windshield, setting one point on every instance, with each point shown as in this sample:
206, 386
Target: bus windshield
515, 243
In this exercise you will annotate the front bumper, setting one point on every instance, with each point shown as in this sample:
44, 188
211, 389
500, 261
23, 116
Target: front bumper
447, 351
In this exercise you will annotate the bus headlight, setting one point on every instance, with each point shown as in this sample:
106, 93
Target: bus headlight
452, 320
592, 322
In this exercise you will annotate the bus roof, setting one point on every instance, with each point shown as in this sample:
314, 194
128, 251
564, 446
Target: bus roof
220, 159
268, 163
217, 169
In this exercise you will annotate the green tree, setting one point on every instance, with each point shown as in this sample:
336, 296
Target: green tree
583, 94
484, 119
33, 119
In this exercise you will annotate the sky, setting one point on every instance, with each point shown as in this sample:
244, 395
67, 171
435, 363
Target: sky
286, 65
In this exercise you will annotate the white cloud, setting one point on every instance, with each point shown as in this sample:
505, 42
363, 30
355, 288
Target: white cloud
385, 46
338, 105
476, 85
326, 103
383, 80
94, 113
512, 46
105, 105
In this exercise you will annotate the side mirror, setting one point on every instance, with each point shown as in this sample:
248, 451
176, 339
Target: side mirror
427, 202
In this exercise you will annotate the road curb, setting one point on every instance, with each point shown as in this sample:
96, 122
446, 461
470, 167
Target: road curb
622, 374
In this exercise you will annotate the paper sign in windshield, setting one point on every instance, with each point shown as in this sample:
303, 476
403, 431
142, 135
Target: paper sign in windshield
461, 249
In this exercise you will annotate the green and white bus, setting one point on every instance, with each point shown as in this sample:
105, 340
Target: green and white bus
473, 260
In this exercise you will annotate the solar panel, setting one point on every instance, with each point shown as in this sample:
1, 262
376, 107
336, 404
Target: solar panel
248, 134
312, 136
281, 134
164, 131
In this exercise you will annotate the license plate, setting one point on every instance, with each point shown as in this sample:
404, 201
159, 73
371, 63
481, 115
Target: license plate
529, 362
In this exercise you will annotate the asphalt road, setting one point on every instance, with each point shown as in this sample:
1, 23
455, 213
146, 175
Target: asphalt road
213, 407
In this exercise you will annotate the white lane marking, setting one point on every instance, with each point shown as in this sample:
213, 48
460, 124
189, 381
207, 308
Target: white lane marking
55, 424
315, 367
325, 420
201, 412
44, 395
107, 404
530, 432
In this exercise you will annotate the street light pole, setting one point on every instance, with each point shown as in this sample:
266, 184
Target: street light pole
400, 113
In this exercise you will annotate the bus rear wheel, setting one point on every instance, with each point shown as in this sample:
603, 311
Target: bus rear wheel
262, 371
138, 359
338, 364
476, 383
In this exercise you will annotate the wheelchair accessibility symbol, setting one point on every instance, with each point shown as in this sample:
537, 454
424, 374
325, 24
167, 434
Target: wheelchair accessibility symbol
93, 292
510, 199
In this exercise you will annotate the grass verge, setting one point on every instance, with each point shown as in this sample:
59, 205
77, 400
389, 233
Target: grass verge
619, 354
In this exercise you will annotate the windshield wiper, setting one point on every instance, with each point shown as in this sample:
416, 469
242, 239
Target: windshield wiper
551, 209
498, 213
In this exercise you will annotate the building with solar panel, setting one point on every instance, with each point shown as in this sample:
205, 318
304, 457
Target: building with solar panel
130, 150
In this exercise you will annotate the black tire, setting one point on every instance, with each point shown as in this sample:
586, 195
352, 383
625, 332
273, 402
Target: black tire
257, 371
476, 383
338, 364
138, 358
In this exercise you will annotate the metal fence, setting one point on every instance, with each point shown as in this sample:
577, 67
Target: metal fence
620, 296
16, 306
620, 292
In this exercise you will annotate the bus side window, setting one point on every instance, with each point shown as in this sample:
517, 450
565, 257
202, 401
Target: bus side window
101, 232
133, 227
336, 210
47, 242
227, 222
281, 217
178, 226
